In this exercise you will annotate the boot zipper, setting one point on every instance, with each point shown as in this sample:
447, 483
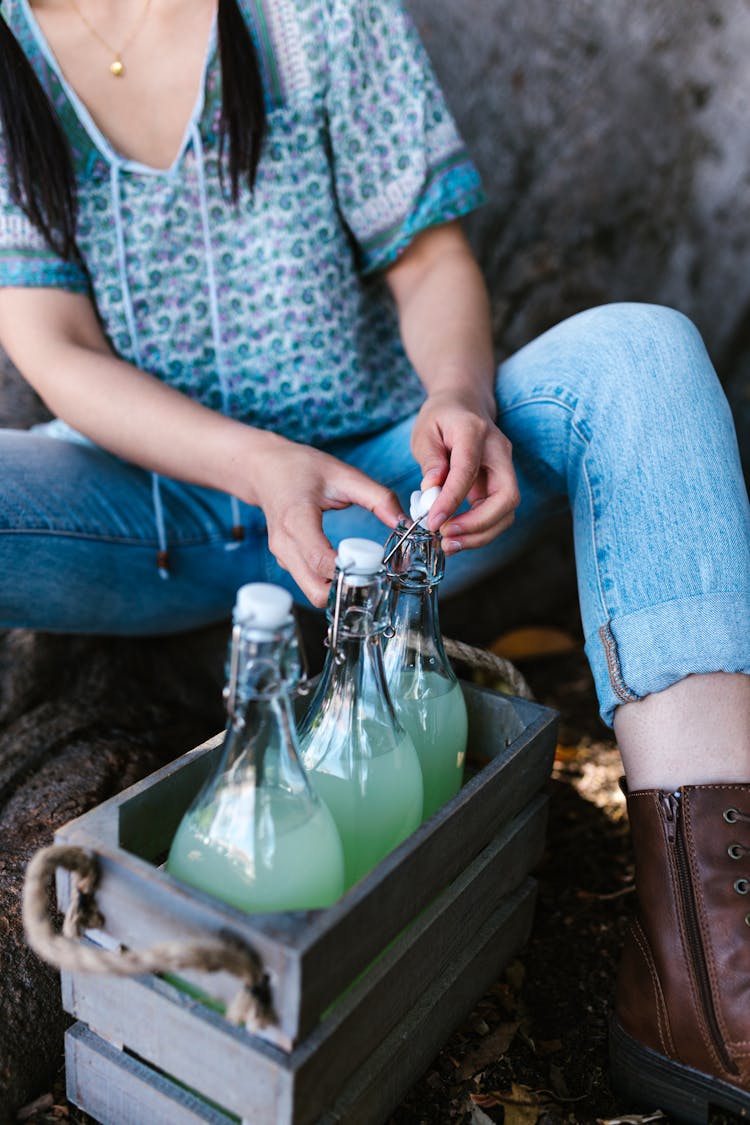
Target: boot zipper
672, 808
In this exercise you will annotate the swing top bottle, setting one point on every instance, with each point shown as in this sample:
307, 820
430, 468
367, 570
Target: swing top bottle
358, 756
257, 835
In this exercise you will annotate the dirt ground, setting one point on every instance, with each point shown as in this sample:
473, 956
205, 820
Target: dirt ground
534, 1050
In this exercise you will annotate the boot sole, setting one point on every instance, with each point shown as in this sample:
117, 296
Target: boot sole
644, 1079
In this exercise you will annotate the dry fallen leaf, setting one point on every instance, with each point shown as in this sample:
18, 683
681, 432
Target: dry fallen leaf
559, 1085
525, 644
520, 1104
521, 1107
37, 1106
492, 1048
515, 975
565, 754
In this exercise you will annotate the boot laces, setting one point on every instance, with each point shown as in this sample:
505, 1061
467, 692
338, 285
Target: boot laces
737, 851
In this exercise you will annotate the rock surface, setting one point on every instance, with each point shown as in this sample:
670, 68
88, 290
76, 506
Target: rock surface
612, 141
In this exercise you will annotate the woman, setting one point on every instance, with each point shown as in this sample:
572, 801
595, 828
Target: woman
258, 329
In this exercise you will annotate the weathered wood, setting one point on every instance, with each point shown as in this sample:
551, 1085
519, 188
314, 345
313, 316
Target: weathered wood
406, 972
312, 957
403, 1057
165, 1027
118, 1089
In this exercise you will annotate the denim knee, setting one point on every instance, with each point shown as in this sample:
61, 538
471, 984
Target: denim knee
620, 407
650, 356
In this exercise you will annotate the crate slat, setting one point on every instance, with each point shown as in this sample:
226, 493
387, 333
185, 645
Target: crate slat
433, 943
403, 1057
120, 1090
116, 1089
166, 1027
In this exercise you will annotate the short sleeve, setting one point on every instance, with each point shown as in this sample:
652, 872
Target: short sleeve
25, 258
399, 163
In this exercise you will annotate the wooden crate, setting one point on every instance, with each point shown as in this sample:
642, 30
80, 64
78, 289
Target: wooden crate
355, 1027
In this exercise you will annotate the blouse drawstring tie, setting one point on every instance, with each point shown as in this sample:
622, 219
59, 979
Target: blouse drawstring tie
162, 554
238, 532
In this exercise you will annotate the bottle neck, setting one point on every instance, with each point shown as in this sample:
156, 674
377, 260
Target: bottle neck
416, 568
416, 558
415, 609
261, 666
353, 686
261, 739
359, 607
417, 642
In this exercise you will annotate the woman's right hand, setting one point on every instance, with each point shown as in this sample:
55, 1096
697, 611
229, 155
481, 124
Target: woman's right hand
293, 485
55, 339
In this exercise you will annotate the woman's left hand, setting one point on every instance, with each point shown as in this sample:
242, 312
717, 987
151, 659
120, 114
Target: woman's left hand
459, 447
446, 327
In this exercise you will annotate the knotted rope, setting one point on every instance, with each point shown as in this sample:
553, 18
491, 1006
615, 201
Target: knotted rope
251, 1006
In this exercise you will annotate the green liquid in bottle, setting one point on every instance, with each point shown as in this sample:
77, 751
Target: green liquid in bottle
375, 808
432, 710
286, 859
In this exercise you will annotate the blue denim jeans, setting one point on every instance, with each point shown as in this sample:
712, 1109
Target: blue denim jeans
617, 413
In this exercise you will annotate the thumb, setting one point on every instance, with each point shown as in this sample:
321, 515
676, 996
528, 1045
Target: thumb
436, 475
431, 456
374, 497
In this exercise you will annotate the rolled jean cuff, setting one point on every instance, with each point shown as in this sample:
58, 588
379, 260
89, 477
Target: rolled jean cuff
649, 650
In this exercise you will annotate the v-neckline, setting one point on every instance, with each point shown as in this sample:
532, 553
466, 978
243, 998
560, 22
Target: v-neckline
101, 142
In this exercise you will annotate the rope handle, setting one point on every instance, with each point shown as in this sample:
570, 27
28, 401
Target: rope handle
252, 1006
488, 662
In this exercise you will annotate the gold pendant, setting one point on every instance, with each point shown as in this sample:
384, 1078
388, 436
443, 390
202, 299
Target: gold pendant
116, 68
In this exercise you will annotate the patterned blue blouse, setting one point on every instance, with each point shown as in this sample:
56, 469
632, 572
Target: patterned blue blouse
273, 312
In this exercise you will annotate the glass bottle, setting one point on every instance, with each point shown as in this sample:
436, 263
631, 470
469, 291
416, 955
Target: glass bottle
424, 688
257, 835
357, 755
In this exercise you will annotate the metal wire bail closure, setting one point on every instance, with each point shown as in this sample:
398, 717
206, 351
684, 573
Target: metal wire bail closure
303, 685
230, 691
332, 640
409, 531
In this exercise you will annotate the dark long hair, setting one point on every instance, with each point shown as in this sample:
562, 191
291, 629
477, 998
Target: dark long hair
38, 159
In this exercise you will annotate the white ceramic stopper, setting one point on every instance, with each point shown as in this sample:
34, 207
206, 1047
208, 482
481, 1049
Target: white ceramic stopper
263, 606
421, 503
360, 556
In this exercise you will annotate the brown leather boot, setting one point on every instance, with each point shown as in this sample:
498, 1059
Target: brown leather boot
680, 1037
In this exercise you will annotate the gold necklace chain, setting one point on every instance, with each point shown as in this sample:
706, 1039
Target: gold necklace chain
116, 67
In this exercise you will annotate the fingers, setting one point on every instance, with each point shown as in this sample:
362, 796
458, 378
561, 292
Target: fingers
350, 486
493, 494
465, 463
434, 476
430, 454
489, 511
463, 541
295, 532
299, 546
